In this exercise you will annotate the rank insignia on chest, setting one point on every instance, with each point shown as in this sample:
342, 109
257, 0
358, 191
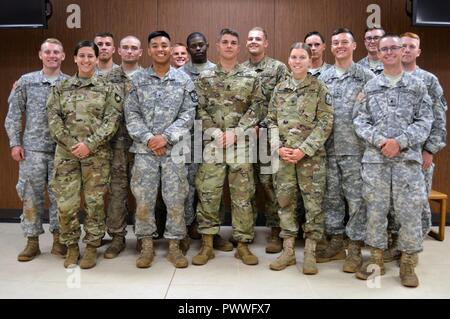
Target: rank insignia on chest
337, 93
392, 101
117, 98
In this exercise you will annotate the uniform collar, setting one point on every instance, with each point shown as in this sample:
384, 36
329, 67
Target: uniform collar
384, 82
261, 65
169, 76
43, 79
237, 69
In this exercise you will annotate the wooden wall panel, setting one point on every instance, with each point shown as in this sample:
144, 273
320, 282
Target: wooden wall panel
285, 20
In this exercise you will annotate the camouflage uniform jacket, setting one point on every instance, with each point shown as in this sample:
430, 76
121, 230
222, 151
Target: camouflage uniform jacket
30, 96
438, 136
344, 91
402, 112
379, 67
84, 110
270, 72
317, 72
303, 115
159, 106
229, 99
123, 85
193, 71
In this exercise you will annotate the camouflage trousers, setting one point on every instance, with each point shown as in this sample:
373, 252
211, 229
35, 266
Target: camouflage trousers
310, 176
344, 185
394, 226
209, 182
147, 174
270, 199
190, 203
72, 178
35, 173
116, 216
400, 184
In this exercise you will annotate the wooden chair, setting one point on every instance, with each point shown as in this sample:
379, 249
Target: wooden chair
441, 199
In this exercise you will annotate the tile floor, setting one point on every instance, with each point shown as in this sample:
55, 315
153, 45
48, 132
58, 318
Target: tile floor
224, 277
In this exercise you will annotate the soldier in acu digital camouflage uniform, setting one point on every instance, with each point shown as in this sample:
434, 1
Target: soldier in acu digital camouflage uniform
372, 61
122, 160
434, 143
394, 119
270, 73
230, 97
83, 113
159, 113
35, 150
301, 110
345, 80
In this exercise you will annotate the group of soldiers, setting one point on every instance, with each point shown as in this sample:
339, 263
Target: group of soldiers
360, 147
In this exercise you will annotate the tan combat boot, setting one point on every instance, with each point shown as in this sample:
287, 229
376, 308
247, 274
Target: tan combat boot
309, 259
145, 259
354, 258
221, 244
185, 244
392, 253
322, 244
117, 245
274, 242
245, 254
175, 255
206, 251
73, 254
58, 249
370, 267
287, 258
31, 250
89, 258
407, 275
334, 251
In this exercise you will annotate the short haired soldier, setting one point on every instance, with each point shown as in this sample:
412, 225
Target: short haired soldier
180, 55
270, 73
83, 114
35, 150
372, 61
345, 81
122, 160
230, 99
300, 109
394, 119
316, 41
105, 44
438, 135
197, 45
159, 112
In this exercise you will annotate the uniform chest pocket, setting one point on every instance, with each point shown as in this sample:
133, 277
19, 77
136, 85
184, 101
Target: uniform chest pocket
307, 108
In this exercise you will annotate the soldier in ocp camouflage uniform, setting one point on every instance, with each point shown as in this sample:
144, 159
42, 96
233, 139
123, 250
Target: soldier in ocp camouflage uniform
83, 113
394, 119
122, 160
230, 97
345, 80
159, 113
35, 150
270, 73
301, 110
